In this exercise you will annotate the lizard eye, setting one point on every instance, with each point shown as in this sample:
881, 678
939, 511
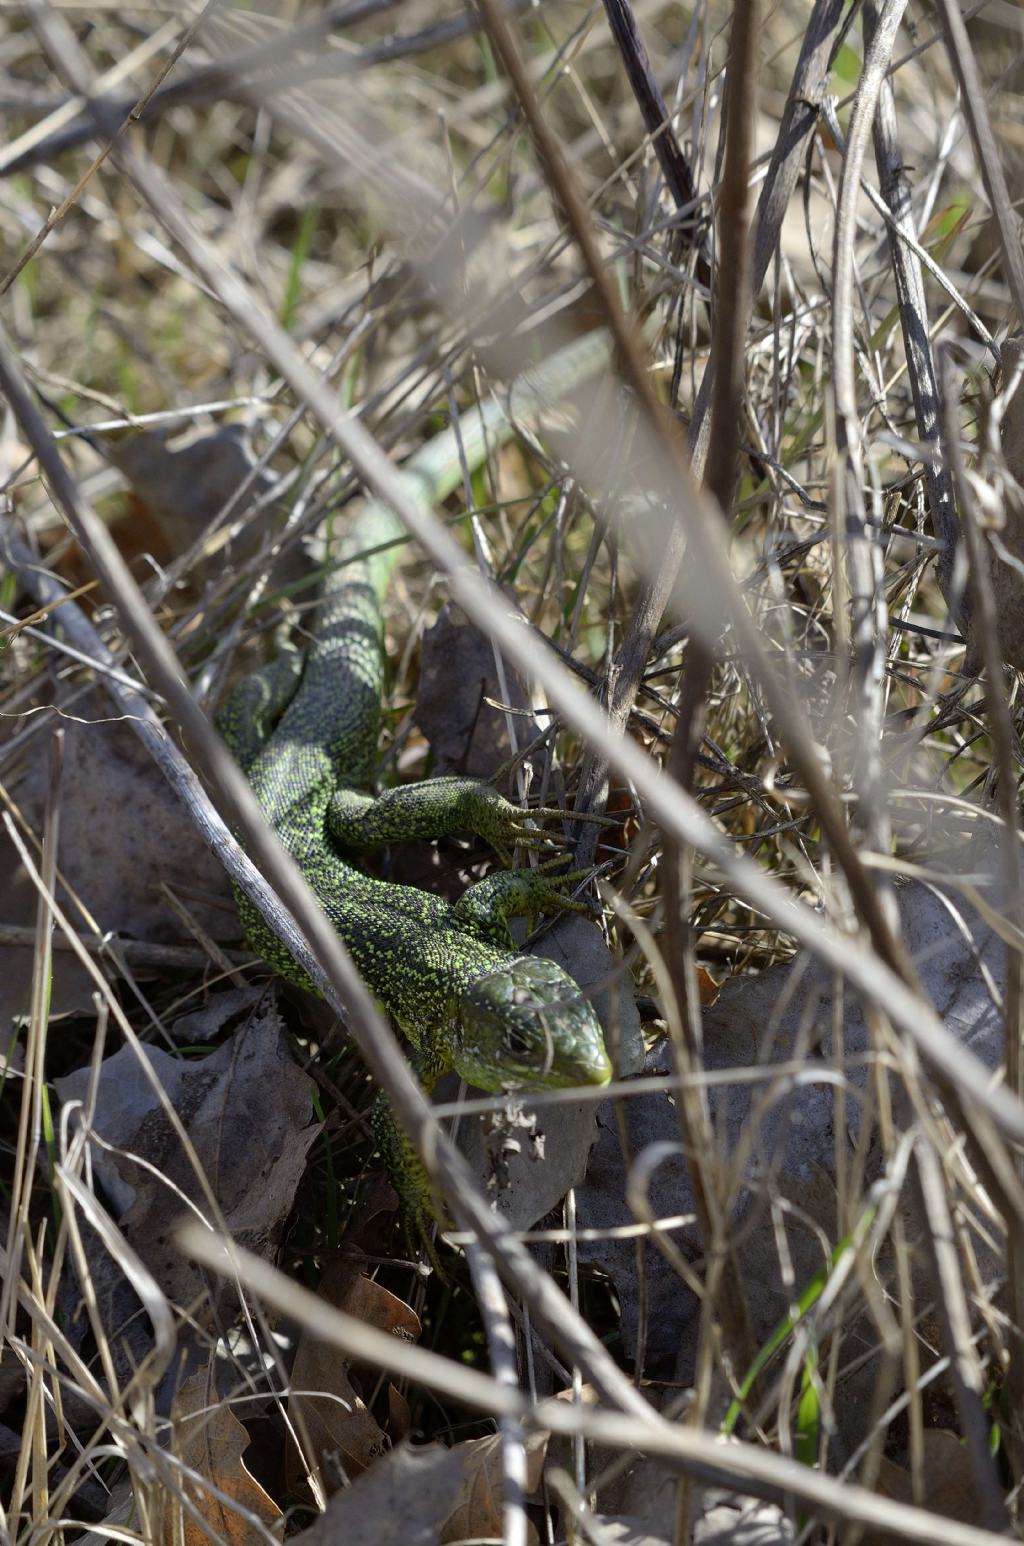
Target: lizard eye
517, 1041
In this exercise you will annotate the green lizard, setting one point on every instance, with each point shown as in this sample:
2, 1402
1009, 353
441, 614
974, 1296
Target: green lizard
305, 730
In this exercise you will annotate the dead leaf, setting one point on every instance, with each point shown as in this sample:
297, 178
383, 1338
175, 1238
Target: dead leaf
207, 1022
121, 1509
948, 1486
639, 1508
401, 1501
122, 840
186, 480
784, 1140
457, 676
123, 836
399, 1415
707, 988
248, 1111
620, 807
644, 1497
345, 1436
210, 1441
601, 1205
71, 987
477, 1512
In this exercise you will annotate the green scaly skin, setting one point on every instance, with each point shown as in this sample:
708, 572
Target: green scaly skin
306, 732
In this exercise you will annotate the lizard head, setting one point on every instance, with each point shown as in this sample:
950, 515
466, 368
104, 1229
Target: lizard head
527, 1023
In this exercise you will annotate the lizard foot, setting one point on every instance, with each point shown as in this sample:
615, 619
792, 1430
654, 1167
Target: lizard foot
443, 807
507, 826
488, 905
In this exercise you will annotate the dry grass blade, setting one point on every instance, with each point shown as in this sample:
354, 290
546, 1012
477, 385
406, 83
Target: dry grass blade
854, 538
898, 195
969, 1380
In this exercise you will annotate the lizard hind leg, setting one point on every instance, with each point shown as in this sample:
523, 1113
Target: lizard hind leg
421, 1210
255, 706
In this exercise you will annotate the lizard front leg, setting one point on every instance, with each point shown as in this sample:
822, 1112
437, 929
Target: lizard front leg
488, 906
436, 807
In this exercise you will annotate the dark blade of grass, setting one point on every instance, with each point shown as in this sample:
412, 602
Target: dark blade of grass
658, 121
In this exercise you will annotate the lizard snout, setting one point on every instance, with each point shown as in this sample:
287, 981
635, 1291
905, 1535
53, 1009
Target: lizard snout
528, 1024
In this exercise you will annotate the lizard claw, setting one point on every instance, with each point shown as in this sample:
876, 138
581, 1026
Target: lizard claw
554, 813
554, 896
507, 826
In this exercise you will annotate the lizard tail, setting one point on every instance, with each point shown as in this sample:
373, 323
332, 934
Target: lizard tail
349, 630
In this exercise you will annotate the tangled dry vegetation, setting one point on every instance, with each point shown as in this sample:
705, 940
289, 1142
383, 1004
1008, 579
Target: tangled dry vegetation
753, 588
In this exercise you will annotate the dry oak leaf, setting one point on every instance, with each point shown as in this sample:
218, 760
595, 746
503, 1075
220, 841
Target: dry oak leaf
455, 697
477, 1514
947, 1478
402, 1501
248, 1115
210, 1441
344, 1435
185, 481
707, 988
122, 839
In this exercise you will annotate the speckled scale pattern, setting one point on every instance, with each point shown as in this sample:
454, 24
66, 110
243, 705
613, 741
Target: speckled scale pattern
407, 944
424, 961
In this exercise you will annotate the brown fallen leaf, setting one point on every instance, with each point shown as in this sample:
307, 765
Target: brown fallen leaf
122, 836
344, 1435
707, 987
399, 1415
122, 839
181, 483
759, 1020
186, 480
457, 677
947, 1478
248, 1113
477, 1512
401, 1501
210, 1441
